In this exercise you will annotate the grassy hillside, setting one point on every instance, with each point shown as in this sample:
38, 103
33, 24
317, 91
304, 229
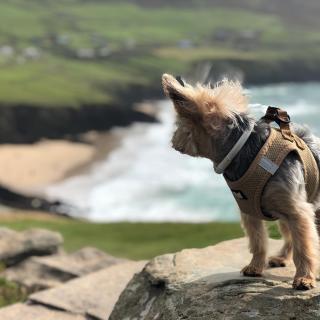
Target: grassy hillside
78, 52
131, 240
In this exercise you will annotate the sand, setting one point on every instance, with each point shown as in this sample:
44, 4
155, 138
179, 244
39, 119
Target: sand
26, 168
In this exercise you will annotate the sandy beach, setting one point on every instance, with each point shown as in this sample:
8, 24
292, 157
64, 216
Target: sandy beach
29, 167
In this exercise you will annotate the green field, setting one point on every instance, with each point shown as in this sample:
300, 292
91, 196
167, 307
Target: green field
141, 42
134, 240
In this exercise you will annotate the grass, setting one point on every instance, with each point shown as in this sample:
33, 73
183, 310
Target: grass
118, 22
10, 293
58, 79
134, 240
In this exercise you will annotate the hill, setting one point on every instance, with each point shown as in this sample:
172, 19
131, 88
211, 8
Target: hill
58, 53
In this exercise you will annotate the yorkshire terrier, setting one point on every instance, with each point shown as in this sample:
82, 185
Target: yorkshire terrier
210, 120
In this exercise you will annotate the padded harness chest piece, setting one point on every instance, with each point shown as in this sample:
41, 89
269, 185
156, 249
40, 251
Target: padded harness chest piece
248, 190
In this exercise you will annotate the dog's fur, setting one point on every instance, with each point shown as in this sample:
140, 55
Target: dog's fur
209, 122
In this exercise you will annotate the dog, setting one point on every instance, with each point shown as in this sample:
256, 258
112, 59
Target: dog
210, 120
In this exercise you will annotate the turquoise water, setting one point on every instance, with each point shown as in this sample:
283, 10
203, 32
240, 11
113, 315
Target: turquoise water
146, 180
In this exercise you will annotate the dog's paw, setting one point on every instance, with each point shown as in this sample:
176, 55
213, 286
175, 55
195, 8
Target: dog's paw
303, 283
251, 271
276, 262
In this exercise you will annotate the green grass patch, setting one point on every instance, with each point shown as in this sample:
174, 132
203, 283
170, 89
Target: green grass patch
136, 240
10, 293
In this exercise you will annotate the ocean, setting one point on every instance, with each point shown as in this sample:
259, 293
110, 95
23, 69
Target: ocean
144, 179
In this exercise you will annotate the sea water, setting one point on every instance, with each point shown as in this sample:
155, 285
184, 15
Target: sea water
144, 179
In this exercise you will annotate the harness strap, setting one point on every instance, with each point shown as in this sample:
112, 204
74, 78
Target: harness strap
282, 119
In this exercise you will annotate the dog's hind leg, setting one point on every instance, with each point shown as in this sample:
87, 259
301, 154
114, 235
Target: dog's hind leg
257, 233
305, 242
285, 253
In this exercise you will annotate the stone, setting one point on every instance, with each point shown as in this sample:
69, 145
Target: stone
93, 295
17, 246
39, 273
81, 262
35, 312
205, 284
34, 276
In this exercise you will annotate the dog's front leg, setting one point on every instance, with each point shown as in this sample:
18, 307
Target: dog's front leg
257, 233
305, 241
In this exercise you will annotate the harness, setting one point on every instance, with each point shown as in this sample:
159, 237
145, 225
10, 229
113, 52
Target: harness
248, 190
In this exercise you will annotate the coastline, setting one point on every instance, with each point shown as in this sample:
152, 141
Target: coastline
77, 159
27, 168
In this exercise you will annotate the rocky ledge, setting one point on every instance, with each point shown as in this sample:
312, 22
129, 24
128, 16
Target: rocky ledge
195, 284
83, 285
201, 284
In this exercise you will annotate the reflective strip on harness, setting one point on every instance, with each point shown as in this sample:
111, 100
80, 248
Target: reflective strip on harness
268, 165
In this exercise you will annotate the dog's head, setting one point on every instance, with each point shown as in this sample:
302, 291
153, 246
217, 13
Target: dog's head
203, 113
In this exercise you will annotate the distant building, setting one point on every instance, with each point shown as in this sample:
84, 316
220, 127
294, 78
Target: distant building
241, 39
223, 35
6, 51
31, 53
247, 39
104, 52
86, 53
185, 44
130, 44
62, 39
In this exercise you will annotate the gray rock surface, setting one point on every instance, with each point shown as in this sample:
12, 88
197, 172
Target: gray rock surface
17, 246
81, 262
93, 295
38, 273
201, 284
21, 311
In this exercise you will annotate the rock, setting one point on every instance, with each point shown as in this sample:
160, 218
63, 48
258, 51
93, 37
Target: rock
81, 262
34, 276
35, 312
201, 284
17, 246
38, 273
93, 295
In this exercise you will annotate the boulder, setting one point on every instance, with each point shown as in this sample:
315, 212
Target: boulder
38, 273
205, 284
92, 296
21, 311
17, 246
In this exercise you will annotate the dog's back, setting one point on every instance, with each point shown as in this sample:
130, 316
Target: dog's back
311, 140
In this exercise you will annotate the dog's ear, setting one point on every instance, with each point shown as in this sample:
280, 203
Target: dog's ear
180, 94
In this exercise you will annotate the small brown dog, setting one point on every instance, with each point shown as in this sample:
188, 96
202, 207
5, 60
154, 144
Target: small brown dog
209, 123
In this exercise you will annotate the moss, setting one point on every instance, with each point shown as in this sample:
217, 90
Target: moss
10, 293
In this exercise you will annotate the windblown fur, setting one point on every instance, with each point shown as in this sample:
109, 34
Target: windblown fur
209, 122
